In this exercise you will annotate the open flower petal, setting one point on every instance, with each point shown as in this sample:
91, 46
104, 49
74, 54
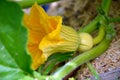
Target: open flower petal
47, 35
39, 24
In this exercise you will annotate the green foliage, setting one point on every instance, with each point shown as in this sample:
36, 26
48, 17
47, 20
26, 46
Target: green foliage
14, 60
52, 61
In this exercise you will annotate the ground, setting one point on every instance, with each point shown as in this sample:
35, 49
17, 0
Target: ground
78, 13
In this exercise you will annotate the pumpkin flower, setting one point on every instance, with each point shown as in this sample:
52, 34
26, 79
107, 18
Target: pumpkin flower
47, 35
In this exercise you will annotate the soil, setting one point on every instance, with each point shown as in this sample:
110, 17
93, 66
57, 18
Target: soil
78, 13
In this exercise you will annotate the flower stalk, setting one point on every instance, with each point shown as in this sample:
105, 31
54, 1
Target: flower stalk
100, 35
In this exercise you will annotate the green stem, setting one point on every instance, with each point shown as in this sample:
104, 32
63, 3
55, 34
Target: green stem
114, 19
93, 71
29, 3
106, 6
85, 57
100, 35
91, 26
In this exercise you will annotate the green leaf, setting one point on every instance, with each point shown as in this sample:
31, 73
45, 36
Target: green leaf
28, 78
9, 70
14, 60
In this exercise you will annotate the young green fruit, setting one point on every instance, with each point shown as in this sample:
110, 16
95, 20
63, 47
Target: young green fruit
86, 42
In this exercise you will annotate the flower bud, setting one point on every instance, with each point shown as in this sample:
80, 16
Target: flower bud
86, 42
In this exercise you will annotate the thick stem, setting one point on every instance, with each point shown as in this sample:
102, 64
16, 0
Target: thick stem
29, 3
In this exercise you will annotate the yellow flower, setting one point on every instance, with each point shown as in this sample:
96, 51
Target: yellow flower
47, 35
